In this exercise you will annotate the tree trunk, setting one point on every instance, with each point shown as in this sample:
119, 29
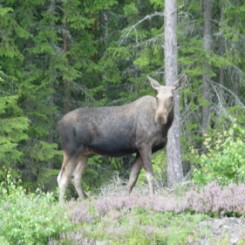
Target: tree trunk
175, 169
66, 83
221, 52
207, 42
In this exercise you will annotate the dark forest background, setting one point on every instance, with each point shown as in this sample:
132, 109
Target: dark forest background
59, 55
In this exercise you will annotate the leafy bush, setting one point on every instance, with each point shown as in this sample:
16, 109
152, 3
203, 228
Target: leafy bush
29, 218
224, 160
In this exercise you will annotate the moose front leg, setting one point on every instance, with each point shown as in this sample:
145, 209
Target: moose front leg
145, 154
137, 165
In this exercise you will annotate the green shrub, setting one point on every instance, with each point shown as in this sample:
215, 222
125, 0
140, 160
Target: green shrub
29, 218
224, 160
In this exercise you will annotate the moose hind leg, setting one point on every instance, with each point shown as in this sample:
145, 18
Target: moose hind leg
77, 174
137, 165
65, 175
61, 179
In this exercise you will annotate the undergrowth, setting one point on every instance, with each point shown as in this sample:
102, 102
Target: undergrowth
31, 218
161, 219
144, 227
166, 218
224, 159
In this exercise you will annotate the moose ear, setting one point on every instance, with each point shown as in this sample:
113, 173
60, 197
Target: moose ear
155, 84
179, 82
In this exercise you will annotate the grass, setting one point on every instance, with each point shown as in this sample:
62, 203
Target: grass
182, 217
138, 226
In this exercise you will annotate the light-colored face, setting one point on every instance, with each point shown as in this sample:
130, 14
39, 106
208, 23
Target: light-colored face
165, 103
165, 99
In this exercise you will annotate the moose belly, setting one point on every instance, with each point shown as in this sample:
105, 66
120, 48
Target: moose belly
112, 147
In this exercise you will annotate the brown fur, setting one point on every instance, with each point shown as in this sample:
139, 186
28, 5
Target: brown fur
139, 127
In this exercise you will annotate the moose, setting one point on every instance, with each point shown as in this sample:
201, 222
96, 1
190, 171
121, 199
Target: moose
139, 127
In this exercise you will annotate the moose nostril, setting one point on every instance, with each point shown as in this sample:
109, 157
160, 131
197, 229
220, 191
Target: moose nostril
161, 119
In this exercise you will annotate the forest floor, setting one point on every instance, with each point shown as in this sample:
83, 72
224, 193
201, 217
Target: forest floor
214, 231
171, 218
229, 230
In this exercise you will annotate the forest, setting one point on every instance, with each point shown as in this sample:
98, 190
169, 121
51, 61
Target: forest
59, 55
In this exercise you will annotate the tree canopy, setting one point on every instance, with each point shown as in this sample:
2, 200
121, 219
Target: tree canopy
59, 55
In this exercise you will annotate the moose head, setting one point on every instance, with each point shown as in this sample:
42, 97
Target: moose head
165, 98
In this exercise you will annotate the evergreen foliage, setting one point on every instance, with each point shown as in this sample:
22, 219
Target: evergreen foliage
12, 129
59, 55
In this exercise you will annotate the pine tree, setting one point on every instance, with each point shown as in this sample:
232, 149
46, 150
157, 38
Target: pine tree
13, 122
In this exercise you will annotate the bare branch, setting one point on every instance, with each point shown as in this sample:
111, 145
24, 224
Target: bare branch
220, 104
236, 98
133, 27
